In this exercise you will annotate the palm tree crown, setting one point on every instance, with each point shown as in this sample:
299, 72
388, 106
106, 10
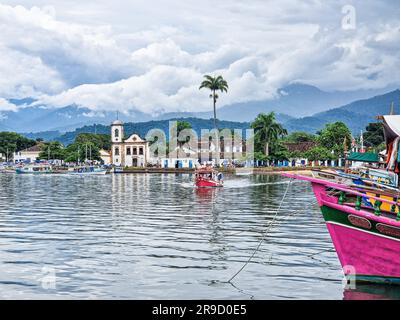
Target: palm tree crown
214, 83
267, 130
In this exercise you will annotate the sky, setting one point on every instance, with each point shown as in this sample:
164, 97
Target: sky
151, 56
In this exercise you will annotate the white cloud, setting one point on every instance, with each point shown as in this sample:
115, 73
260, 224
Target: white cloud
151, 56
7, 106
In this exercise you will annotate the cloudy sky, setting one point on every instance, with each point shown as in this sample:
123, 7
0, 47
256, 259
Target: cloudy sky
151, 55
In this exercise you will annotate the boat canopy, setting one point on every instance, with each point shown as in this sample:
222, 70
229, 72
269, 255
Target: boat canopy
391, 125
363, 157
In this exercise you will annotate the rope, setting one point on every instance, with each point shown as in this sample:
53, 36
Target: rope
264, 234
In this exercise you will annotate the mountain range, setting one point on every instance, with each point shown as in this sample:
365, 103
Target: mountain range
355, 115
292, 101
64, 123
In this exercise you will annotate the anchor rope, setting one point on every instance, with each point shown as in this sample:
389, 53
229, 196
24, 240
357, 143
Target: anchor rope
265, 233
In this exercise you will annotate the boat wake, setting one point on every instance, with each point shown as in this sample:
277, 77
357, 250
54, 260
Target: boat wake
235, 184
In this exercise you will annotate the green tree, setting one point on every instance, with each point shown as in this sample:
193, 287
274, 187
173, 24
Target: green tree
79, 152
13, 142
101, 141
300, 136
260, 156
267, 131
214, 84
279, 151
52, 150
333, 137
318, 153
182, 125
374, 135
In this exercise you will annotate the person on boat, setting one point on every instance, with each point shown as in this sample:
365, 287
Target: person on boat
220, 176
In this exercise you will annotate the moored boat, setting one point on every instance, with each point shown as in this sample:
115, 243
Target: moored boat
88, 170
367, 240
34, 169
366, 237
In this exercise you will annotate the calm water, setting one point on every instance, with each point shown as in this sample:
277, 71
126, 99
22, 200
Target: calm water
150, 236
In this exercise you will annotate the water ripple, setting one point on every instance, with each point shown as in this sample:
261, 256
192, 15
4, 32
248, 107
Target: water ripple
155, 236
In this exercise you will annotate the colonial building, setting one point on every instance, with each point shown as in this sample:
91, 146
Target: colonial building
130, 152
28, 155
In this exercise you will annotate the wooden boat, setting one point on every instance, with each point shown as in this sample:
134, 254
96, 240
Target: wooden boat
34, 169
372, 179
7, 169
208, 178
366, 237
90, 170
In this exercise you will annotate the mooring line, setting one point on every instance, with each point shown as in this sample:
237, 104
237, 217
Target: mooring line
319, 252
264, 235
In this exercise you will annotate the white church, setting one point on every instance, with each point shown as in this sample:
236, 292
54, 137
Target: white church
130, 152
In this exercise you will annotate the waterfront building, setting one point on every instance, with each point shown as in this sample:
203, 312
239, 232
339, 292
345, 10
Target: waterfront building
187, 156
28, 155
130, 152
105, 156
181, 157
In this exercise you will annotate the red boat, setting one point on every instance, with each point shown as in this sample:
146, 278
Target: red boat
208, 178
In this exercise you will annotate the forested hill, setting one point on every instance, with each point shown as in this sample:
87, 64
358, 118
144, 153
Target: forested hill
142, 128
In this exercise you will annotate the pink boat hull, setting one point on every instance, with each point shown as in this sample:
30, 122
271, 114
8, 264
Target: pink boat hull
366, 255
367, 245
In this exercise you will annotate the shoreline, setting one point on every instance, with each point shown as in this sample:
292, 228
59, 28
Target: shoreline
252, 171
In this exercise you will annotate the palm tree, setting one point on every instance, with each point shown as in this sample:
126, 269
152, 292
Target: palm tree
215, 84
267, 130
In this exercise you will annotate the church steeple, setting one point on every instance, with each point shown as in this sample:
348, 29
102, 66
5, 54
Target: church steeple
117, 131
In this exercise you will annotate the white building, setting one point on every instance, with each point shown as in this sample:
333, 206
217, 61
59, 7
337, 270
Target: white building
28, 155
130, 152
181, 157
105, 156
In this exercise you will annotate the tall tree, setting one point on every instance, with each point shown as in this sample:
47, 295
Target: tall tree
267, 130
334, 136
215, 84
374, 135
